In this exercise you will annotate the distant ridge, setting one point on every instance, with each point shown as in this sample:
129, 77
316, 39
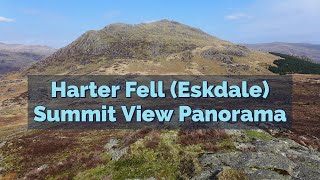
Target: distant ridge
37, 49
13, 57
303, 50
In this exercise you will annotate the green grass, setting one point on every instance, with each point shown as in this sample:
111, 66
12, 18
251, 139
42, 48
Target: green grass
166, 160
226, 145
233, 174
257, 135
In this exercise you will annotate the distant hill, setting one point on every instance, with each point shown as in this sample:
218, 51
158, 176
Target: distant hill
161, 47
15, 56
292, 65
303, 50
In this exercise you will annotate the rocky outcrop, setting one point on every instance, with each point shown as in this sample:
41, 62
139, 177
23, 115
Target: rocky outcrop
224, 54
275, 159
112, 147
213, 54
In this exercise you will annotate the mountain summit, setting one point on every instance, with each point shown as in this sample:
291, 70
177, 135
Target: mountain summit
156, 41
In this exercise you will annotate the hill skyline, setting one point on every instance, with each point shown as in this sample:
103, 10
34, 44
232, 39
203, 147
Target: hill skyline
13, 57
304, 50
248, 21
152, 48
120, 40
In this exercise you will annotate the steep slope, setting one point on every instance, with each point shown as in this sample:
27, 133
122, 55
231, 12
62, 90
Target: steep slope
123, 48
15, 56
304, 50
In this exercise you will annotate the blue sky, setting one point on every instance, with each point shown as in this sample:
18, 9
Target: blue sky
57, 23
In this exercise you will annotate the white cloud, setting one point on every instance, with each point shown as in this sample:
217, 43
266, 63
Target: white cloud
237, 16
4, 19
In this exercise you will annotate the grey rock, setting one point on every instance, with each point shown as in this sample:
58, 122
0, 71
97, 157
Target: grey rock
266, 174
251, 163
2, 144
113, 148
113, 143
208, 174
43, 167
213, 54
273, 159
2, 169
239, 51
118, 153
245, 147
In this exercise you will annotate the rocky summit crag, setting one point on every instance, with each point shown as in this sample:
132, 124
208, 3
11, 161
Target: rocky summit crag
160, 43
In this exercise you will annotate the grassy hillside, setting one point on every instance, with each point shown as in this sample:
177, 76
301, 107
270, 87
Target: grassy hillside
291, 65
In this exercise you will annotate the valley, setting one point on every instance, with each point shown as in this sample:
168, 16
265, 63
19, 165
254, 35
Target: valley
13, 57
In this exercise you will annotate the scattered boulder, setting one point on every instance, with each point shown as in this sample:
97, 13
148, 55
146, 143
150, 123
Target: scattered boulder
208, 174
2, 144
2, 169
112, 144
113, 148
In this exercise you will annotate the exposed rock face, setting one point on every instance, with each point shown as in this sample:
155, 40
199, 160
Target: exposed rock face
225, 53
275, 159
213, 54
